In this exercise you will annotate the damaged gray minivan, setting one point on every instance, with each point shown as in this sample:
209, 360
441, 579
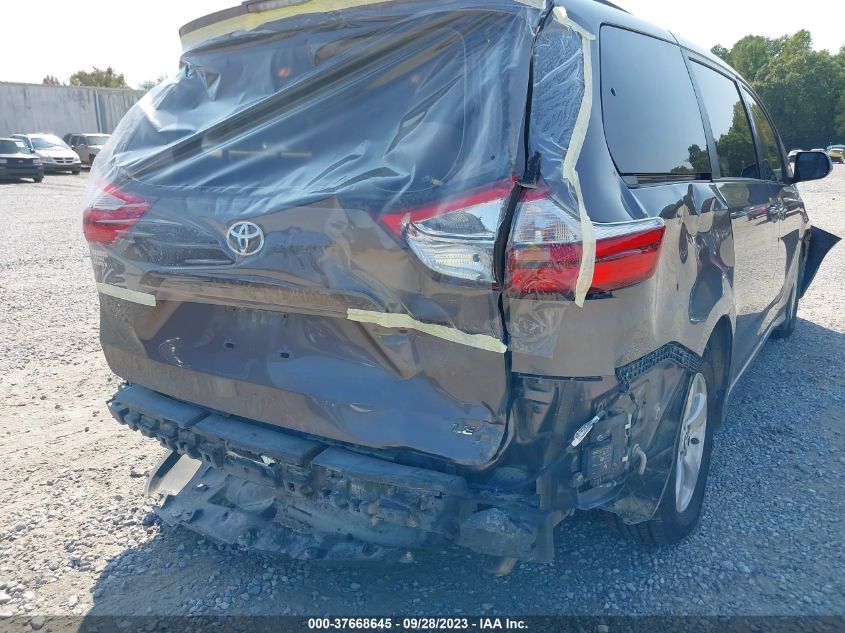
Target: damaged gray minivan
398, 273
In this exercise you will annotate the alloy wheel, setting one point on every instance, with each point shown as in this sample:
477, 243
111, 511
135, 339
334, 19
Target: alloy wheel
691, 442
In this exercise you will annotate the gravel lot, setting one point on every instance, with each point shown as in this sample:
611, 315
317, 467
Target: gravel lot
77, 537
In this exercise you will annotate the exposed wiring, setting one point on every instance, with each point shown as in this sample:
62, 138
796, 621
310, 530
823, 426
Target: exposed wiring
579, 436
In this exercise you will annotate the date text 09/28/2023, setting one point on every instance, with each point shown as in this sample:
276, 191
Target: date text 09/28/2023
417, 623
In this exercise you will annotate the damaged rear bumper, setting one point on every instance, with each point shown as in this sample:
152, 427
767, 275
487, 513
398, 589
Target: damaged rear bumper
240, 482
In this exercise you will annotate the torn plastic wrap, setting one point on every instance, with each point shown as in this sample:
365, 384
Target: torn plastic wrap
316, 196
552, 244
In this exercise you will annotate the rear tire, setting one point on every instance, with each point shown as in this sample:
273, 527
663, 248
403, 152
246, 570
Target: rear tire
680, 509
38, 179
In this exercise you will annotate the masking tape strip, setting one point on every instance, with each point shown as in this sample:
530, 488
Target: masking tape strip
127, 295
579, 136
250, 21
404, 321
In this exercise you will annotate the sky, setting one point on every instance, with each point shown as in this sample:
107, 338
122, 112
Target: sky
140, 38
726, 21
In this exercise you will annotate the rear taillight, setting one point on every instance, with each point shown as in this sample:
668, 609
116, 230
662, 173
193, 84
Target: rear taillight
545, 251
110, 213
455, 238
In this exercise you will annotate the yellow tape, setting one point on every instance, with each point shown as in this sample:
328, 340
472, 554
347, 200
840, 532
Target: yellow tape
127, 295
570, 161
404, 321
250, 21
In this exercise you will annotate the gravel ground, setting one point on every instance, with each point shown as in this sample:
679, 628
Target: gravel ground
77, 536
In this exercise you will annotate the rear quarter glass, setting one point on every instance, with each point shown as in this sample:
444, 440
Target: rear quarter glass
651, 117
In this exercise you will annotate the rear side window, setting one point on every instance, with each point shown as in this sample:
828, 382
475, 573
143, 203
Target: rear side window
729, 123
651, 116
770, 162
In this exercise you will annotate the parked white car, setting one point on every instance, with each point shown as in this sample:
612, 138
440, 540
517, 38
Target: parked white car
54, 153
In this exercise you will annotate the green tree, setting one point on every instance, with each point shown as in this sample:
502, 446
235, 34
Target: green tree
801, 91
750, 56
802, 41
149, 84
107, 78
51, 80
839, 58
839, 123
722, 52
801, 88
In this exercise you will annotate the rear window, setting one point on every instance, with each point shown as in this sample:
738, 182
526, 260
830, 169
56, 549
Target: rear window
651, 117
729, 123
407, 107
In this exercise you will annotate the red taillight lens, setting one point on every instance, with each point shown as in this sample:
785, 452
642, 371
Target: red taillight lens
544, 256
111, 213
627, 259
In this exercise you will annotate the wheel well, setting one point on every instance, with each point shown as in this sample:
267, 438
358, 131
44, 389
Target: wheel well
718, 352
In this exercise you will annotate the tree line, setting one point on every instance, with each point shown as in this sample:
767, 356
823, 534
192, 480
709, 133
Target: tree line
803, 89
100, 78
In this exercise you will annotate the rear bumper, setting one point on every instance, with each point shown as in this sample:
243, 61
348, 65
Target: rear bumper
279, 492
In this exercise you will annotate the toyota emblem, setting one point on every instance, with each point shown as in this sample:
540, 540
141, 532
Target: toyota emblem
245, 238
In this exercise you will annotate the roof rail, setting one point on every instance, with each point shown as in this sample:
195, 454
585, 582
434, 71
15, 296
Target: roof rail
611, 5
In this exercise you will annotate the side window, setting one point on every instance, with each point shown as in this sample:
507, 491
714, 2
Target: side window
74, 140
651, 117
729, 123
771, 167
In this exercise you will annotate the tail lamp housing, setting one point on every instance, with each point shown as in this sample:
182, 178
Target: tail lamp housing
546, 247
110, 213
455, 238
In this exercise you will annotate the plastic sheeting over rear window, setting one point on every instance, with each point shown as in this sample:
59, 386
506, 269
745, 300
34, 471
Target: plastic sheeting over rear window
371, 103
